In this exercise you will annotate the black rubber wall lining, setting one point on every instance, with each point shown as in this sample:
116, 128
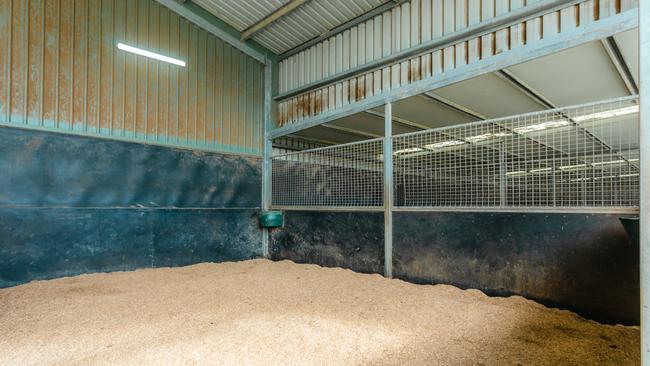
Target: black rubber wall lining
47, 169
331, 239
71, 205
583, 263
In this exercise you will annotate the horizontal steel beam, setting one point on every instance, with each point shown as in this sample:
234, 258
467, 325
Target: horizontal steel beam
514, 17
585, 210
559, 209
186, 12
282, 11
330, 208
298, 143
591, 32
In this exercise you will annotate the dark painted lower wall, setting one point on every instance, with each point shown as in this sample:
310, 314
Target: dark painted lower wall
72, 205
49, 243
334, 239
584, 263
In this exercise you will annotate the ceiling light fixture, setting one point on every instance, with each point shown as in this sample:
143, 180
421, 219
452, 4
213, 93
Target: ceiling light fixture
541, 126
606, 177
440, 145
486, 136
145, 53
519, 172
573, 167
608, 114
611, 162
407, 150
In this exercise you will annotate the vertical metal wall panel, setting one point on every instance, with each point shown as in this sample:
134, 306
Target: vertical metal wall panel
61, 71
408, 25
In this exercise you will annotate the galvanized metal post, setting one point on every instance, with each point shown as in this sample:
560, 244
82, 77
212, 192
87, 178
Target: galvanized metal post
502, 175
554, 182
268, 149
644, 141
388, 190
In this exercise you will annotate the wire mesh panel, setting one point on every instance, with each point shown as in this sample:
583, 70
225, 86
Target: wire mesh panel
348, 175
576, 157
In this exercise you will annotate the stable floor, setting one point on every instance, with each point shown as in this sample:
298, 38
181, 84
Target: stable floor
264, 313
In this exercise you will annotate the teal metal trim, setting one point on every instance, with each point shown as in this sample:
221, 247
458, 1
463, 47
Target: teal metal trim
271, 219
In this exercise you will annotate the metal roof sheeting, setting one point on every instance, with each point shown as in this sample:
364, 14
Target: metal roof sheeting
306, 22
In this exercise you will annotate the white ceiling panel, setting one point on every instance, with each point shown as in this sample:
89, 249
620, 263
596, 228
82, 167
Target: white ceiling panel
578, 75
371, 123
329, 135
490, 96
426, 112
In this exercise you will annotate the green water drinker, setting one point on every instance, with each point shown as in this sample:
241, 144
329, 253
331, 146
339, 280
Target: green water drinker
271, 219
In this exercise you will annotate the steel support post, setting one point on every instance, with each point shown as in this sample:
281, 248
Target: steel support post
268, 149
388, 190
644, 204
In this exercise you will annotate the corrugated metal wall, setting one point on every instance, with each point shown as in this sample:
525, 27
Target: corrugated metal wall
61, 71
408, 25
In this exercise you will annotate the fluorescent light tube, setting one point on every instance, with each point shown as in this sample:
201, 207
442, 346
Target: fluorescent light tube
519, 172
486, 136
629, 175
606, 177
541, 126
541, 170
145, 53
407, 150
571, 167
612, 162
439, 145
608, 114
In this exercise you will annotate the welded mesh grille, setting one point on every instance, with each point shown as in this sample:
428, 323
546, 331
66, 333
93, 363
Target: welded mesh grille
585, 156
569, 158
338, 176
